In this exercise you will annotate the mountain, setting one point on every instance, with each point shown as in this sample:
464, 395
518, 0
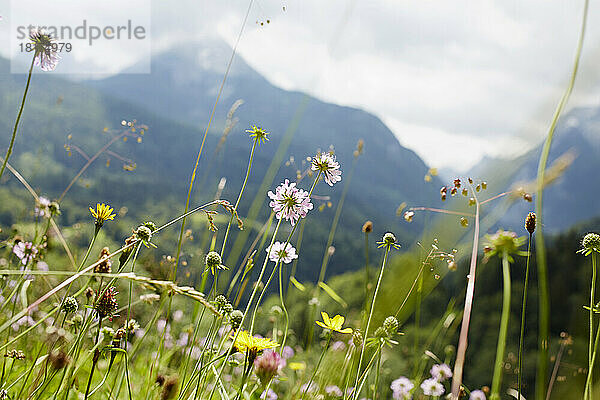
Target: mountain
572, 197
175, 102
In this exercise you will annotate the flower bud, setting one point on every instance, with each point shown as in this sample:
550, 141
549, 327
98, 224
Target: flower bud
235, 319
390, 325
213, 260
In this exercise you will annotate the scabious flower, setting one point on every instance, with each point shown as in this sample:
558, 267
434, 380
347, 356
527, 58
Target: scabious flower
268, 365
441, 372
280, 251
333, 324
45, 49
401, 388
334, 391
431, 387
103, 212
25, 251
325, 163
477, 395
289, 202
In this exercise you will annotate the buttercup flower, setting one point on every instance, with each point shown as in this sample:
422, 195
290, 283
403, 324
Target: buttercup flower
252, 345
259, 134
431, 387
326, 164
333, 324
25, 251
45, 49
289, 202
277, 252
103, 212
401, 388
441, 372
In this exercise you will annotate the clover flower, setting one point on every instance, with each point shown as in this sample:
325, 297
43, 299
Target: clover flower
477, 395
103, 212
326, 164
45, 49
431, 387
289, 202
268, 365
333, 324
401, 388
282, 251
441, 372
258, 134
25, 251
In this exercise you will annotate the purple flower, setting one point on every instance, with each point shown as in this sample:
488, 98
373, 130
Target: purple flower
338, 345
333, 391
45, 48
289, 202
326, 164
268, 365
431, 387
25, 251
287, 352
401, 388
477, 395
277, 252
269, 395
441, 372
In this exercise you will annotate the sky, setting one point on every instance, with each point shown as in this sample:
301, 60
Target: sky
455, 80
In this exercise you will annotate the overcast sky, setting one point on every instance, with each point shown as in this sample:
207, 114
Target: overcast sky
454, 79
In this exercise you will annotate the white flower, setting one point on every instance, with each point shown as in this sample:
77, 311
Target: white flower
277, 252
325, 163
41, 209
401, 388
431, 387
25, 251
477, 395
289, 202
45, 48
441, 372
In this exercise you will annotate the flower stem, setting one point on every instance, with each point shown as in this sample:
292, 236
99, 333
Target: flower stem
522, 336
590, 375
318, 365
588, 387
14, 133
499, 363
362, 350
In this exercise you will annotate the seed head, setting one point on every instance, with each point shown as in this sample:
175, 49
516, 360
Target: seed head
381, 333
227, 308
390, 325
105, 264
590, 243
221, 301
235, 319
150, 225
367, 227
357, 338
59, 359
213, 260
107, 304
530, 222
144, 233
70, 305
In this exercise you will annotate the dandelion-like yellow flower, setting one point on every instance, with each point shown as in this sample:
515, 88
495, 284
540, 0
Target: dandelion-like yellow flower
334, 324
252, 345
259, 134
103, 212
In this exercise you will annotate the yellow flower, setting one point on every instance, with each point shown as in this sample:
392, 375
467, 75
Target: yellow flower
252, 345
334, 324
103, 212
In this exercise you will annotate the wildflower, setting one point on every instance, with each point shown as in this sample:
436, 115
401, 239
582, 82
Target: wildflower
388, 241
504, 242
259, 134
70, 305
103, 212
401, 388
268, 365
309, 387
530, 222
145, 234
333, 324
325, 163
235, 319
441, 372
390, 325
431, 387
45, 48
590, 243
367, 227
213, 261
150, 225
287, 352
277, 252
268, 395
338, 345
357, 338
289, 202
54, 208
106, 305
220, 301
42, 207
477, 395
409, 215
252, 345
25, 251
333, 390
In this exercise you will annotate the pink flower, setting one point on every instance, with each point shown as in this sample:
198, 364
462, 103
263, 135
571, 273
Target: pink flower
25, 251
277, 252
325, 163
268, 365
431, 387
441, 372
289, 202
